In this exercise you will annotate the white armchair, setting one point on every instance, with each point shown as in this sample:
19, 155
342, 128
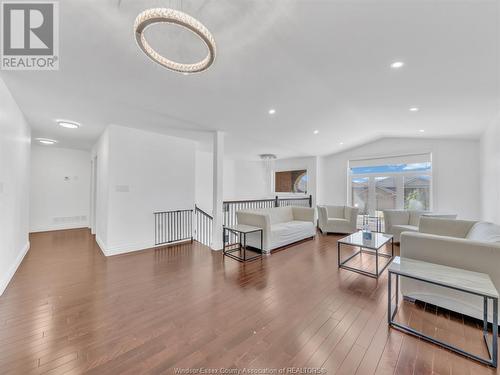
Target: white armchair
337, 219
399, 221
469, 245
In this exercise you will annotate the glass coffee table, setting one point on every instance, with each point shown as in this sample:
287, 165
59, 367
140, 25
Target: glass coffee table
370, 245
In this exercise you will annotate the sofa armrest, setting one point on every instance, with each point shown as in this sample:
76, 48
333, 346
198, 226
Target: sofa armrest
395, 217
303, 214
471, 255
257, 219
322, 217
351, 214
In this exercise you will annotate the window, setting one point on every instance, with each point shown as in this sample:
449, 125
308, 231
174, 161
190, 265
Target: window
291, 181
359, 193
403, 182
417, 192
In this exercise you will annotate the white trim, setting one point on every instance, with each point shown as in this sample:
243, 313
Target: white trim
100, 243
13, 268
50, 228
131, 247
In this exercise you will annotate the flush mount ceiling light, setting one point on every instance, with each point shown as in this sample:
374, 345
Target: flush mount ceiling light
397, 64
272, 111
316, 132
165, 15
414, 109
46, 141
267, 156
68, 124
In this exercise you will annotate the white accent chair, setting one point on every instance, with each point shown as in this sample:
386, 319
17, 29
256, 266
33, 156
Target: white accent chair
469, 245
399, 221
281, 225
337, 219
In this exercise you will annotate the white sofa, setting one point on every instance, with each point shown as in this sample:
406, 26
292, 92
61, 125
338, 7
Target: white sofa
281, 225
337, 219
399, 221
469, 245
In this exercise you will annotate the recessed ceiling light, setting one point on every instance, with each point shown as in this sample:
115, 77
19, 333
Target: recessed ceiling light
341, 143
46, 141
421, 131
397, 64
272, 111
68, 124
316, 132
414, 109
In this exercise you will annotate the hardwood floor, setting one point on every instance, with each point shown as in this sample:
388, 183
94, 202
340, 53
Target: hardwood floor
70, 310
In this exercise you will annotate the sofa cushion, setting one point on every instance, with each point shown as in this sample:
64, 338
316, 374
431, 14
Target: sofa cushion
280, 214
286, 233
336, 212
445, 227
485, 232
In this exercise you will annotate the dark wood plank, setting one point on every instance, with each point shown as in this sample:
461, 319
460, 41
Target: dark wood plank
69, 309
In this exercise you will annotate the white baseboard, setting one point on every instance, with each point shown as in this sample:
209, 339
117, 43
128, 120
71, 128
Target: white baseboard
13, 268
101, 245
130, 247
49, 228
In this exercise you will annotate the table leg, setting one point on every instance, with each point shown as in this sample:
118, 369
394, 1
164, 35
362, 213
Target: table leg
338, 250
485, 316
389, 300
376, 262
244, 247
495, 333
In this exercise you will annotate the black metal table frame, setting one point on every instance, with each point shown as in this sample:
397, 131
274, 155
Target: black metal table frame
367, 250
492, 348
243, 245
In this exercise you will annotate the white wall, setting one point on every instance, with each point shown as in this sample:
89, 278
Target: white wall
15, 141
145, 172
59, 188
243, 179
456, 176
490, 174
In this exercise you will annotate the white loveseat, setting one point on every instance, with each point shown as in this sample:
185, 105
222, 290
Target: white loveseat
399, 221
281, 225
337, 219
469, 245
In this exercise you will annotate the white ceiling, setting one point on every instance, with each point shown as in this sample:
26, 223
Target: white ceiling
322, 64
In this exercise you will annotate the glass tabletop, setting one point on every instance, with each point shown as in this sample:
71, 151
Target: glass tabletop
375, 241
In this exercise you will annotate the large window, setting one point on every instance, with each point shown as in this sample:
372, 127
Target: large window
291, 181
403, 182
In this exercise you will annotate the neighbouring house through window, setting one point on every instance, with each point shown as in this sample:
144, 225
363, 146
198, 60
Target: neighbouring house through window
402, 182
291, 181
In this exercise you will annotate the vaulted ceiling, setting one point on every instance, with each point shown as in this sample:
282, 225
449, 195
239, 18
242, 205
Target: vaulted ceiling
322, 65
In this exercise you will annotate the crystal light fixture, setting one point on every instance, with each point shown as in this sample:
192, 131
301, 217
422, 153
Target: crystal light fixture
165, 15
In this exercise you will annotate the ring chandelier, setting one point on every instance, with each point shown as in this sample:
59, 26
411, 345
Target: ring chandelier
165, 15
